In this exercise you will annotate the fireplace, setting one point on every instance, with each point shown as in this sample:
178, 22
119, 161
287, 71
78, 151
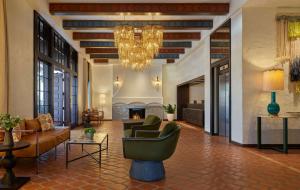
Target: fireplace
136, 113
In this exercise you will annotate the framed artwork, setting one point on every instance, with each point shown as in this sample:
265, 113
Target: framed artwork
295, 70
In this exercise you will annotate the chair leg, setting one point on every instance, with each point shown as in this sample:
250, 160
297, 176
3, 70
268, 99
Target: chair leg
37, 162
55, 152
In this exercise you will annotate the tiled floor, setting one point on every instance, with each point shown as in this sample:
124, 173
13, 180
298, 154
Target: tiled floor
200, 162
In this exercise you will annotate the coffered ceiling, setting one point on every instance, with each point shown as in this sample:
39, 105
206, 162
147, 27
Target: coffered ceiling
92, 23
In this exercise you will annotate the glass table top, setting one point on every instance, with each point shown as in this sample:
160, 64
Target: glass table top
81, 139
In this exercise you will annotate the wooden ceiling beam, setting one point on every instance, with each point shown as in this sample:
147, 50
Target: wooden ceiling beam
110, 36
220, 36
170, 61
102, 61
220, 44
219, 51
116, 56
139, 8
105, 44
166, 24
219, 56
115, 50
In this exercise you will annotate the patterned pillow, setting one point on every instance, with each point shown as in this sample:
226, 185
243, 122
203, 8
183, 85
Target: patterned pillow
46, 122
17, 134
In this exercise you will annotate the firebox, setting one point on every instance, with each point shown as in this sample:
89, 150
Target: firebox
136, 113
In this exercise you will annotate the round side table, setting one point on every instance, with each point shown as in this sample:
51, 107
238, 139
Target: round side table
9, 180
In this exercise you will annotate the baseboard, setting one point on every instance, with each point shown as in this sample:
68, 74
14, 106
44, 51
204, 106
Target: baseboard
242, 145
167, 119
264, 145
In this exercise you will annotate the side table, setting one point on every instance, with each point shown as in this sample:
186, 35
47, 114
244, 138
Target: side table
9, 180
285, 136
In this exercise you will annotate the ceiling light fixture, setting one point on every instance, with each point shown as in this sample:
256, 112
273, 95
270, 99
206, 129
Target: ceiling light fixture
137, 47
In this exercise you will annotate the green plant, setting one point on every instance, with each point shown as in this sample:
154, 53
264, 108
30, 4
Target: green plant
89, 130
169, 108
7, 122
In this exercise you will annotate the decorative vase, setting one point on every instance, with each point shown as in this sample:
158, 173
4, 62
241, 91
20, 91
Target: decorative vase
8, 138
273, 107
170, 116
89, 136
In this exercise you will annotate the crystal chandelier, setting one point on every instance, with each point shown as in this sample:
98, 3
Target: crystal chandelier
137, 47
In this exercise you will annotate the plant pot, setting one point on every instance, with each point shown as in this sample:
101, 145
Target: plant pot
8, 138
170, 116
89, 136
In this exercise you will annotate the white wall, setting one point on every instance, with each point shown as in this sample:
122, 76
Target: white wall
194, 65
237, 77
259, 53
169, 84
137, 86
20, 42
196, 92
102, 82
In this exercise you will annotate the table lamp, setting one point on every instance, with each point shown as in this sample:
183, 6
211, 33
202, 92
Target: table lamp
273, 80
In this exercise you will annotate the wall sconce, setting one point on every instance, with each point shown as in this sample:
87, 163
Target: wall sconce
157, 83
117, 82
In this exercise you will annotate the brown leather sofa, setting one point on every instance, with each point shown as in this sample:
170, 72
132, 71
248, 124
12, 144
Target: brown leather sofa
40, 141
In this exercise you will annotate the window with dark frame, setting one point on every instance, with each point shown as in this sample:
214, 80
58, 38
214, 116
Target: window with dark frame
52, 52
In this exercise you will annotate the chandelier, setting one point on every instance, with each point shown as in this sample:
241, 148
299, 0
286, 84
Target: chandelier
137, 47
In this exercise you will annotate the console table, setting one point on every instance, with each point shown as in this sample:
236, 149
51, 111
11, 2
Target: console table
9, 180
284, 118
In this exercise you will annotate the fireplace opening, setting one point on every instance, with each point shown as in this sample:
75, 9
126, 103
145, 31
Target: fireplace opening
136, 113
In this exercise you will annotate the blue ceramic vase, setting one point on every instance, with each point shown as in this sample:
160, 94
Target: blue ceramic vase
273, 107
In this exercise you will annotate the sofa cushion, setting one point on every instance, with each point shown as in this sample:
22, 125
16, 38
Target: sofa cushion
46, 143
169, 128
46, 122
33, 124
151, 119
61, 134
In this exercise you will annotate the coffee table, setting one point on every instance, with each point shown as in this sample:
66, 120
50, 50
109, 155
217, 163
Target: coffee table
98, 140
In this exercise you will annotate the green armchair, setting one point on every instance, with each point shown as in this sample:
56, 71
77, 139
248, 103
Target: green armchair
152, 122
148, 149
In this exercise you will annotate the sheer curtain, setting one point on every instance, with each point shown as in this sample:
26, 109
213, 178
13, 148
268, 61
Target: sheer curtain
85, 85
3, 59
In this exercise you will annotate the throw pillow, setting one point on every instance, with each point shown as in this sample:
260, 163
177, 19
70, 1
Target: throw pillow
17, 134
2, 135
46, 122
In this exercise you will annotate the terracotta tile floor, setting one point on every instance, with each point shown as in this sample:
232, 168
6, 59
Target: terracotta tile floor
200, 162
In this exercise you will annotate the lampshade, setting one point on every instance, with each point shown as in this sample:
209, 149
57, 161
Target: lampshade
273, 80
102, 99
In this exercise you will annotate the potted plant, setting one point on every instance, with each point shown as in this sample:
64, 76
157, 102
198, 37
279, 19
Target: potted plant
89, 132
170, 110
7, 122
